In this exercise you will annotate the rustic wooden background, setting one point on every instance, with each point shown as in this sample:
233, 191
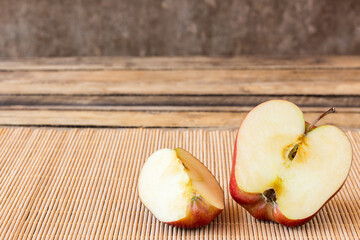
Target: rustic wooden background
43, 28
173, 92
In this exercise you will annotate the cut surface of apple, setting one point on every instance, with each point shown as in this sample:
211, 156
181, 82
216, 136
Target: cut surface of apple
282, 172
178, 189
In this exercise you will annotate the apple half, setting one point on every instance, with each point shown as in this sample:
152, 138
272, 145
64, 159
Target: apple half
179, 190
284, 169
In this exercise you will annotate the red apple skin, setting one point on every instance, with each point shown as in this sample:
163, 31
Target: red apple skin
199, 213
257, 205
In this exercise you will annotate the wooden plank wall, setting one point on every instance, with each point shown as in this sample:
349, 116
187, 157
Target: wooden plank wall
173, 92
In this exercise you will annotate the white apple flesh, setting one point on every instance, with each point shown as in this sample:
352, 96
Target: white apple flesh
281, 171
179, 190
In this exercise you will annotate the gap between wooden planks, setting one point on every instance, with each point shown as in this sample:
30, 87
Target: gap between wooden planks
180, 63
132, 100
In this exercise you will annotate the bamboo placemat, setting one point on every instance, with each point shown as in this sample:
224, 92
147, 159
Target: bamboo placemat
82, 184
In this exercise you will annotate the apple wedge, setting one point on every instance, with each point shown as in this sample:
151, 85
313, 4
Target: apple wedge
285, 170
179, 190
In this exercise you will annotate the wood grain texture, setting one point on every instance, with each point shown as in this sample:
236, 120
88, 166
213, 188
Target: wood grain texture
157, 92
197, 118
290, 82
178, 28
82, 183
180, 63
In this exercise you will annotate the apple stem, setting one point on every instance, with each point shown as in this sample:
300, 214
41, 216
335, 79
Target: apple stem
331, 110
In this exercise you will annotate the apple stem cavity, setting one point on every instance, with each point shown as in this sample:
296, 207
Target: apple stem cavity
270, 195
308, 129
293, 152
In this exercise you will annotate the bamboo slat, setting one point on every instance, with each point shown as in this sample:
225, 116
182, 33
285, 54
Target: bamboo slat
82, 183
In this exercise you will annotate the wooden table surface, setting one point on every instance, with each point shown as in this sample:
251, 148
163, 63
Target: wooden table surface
173, 92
